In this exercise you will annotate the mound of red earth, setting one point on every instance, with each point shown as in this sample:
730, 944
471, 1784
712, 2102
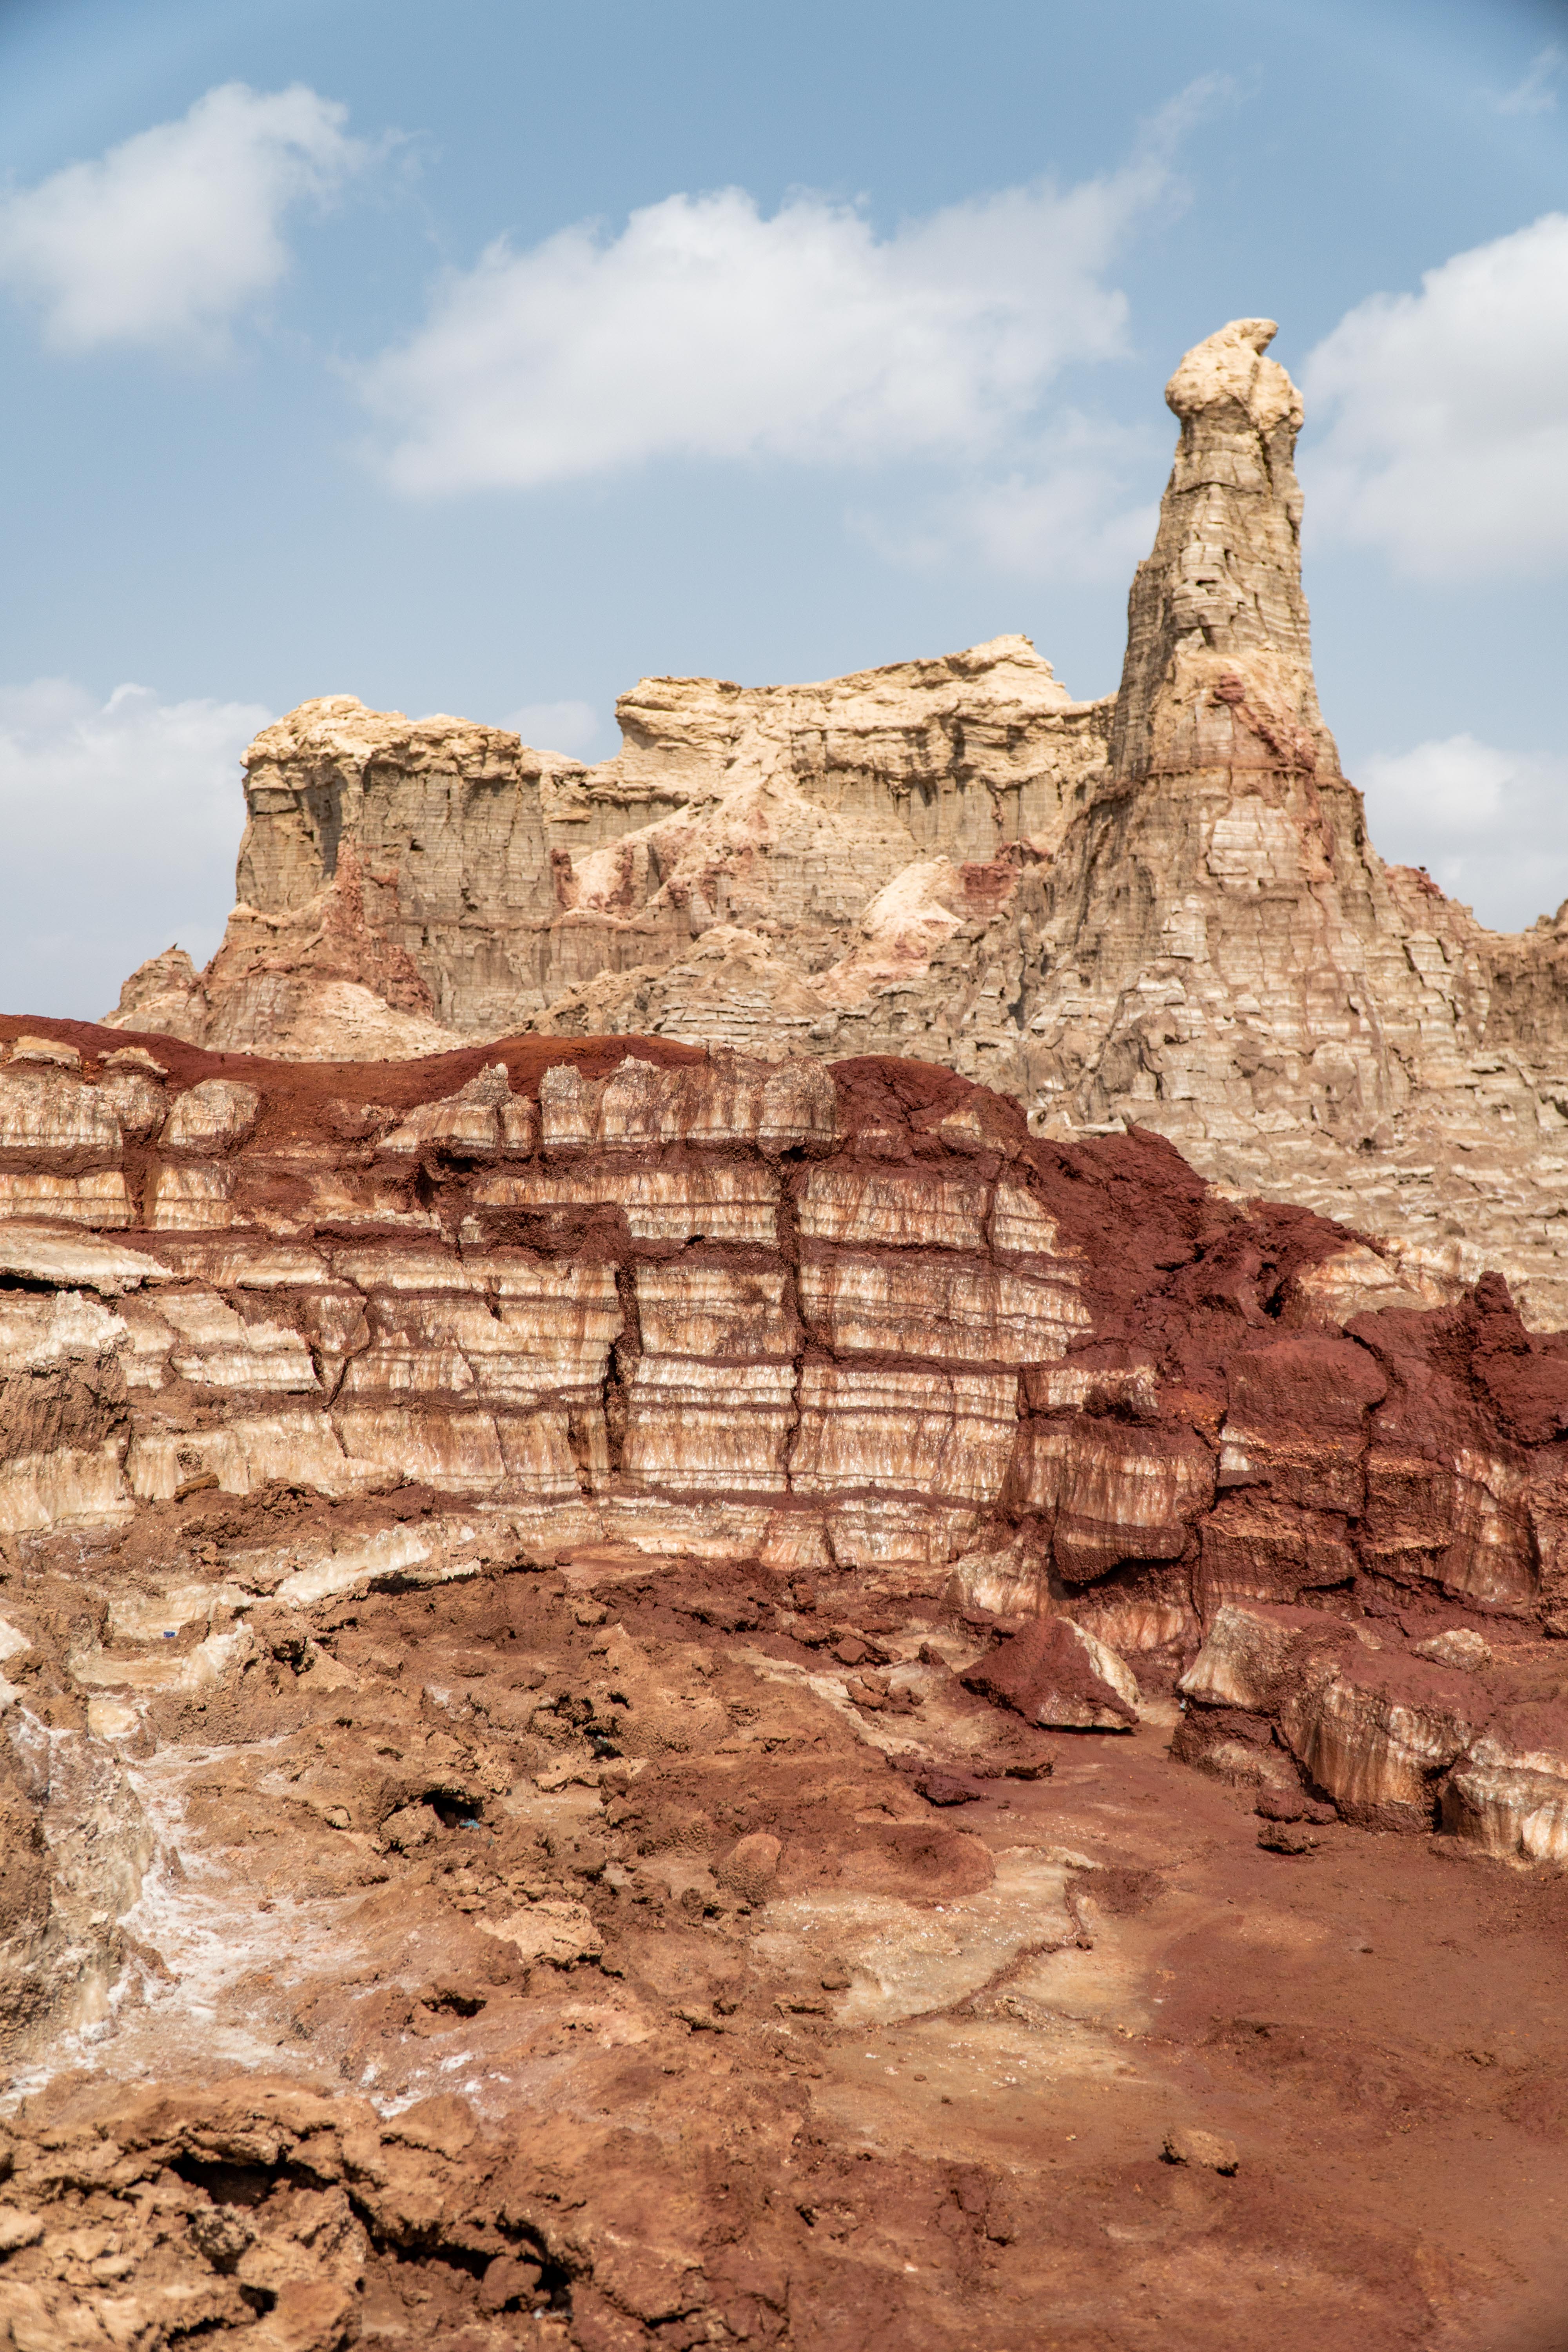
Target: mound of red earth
559, 1606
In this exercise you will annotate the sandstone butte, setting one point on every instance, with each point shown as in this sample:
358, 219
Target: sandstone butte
1158, 908
656, 1696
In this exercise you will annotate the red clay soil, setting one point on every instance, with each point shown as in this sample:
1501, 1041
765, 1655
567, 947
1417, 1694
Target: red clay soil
616, 1949
763, 2112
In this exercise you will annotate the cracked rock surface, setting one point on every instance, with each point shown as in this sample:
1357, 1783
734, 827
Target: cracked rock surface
1161, 907
602, 1655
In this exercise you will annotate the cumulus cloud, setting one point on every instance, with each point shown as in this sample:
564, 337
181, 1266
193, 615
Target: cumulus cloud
1447, 440
121, 821
705, 330
1486, 824
162, 239
1064, 509
574, 726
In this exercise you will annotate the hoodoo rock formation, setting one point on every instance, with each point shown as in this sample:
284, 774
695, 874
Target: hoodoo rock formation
672, 1676
589, 1637
1161, 907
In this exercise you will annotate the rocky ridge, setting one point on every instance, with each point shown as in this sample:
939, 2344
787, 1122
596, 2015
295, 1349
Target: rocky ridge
1161, 907
544, 1588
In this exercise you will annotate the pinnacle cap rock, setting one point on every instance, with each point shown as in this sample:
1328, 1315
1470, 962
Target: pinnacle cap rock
1230, 366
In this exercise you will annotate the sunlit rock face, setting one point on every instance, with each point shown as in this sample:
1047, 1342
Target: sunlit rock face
1448, 1732
541, 1592
815, 1316
857, 1311
1161, 907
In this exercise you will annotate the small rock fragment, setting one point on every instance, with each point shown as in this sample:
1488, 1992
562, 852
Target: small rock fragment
1186, 2145
1460, 1646
46, 1049
511, 2279
18, 2229
941, 1789
1290, 1805
1286, 1837
751, 1867
1056, 1675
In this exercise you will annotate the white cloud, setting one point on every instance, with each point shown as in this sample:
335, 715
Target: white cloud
1488, 823
1534, 94
163, 238
704, 329
120, 822
1063, 510
1447, 435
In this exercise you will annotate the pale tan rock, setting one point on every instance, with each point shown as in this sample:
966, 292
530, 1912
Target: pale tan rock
134, 1059
1512, 1815
952, 1312
712, 1311
137, 1101
246, 1452
1097, 909
45, 1109
890, 1208
555, 1932
718, 1203
212, 1115
214, 1347
76, 1261
945, 1435
751, 1867
52, 1051
192, 1196
469, 1122
98, 1201
66, 1486
1187, 2144
1462, 1647
1112, 1491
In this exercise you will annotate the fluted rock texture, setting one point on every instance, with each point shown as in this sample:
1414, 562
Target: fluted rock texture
535, 1585
783, 832
820, 1318
1163, 908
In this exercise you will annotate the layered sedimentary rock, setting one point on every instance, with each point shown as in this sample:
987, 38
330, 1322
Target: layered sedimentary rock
821, 838
817, 1317
544, 1596
1162, 908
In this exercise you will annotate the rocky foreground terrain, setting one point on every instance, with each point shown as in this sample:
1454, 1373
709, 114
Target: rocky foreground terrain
657, 1699
1161, 907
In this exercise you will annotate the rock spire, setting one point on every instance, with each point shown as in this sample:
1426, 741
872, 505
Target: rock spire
1218, 671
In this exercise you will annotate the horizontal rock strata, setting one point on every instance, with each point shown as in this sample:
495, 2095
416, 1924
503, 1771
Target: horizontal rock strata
559, 1603
1160, 908
818, 1318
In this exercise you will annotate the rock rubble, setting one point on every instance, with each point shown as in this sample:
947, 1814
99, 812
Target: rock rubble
588, 1634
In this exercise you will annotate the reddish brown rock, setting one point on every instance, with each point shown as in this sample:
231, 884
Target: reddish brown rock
493, 1548
1055, 1674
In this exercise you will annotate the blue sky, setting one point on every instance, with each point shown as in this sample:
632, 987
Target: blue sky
485, 357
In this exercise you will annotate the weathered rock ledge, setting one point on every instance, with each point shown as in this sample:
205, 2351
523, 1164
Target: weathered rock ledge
563, 1607
1161, 907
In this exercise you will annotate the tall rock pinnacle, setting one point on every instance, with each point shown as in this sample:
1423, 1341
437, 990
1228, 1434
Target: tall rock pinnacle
1218, 672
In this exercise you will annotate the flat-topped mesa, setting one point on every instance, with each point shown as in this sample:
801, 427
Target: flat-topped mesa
1218, 672
504, 878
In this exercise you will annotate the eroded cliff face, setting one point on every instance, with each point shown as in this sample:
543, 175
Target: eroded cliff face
1163, 908
493, 879
820, 1319
544, 1588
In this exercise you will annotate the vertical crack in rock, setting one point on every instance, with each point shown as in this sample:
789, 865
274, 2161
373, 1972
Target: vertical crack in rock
1162, 909
566, 1568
